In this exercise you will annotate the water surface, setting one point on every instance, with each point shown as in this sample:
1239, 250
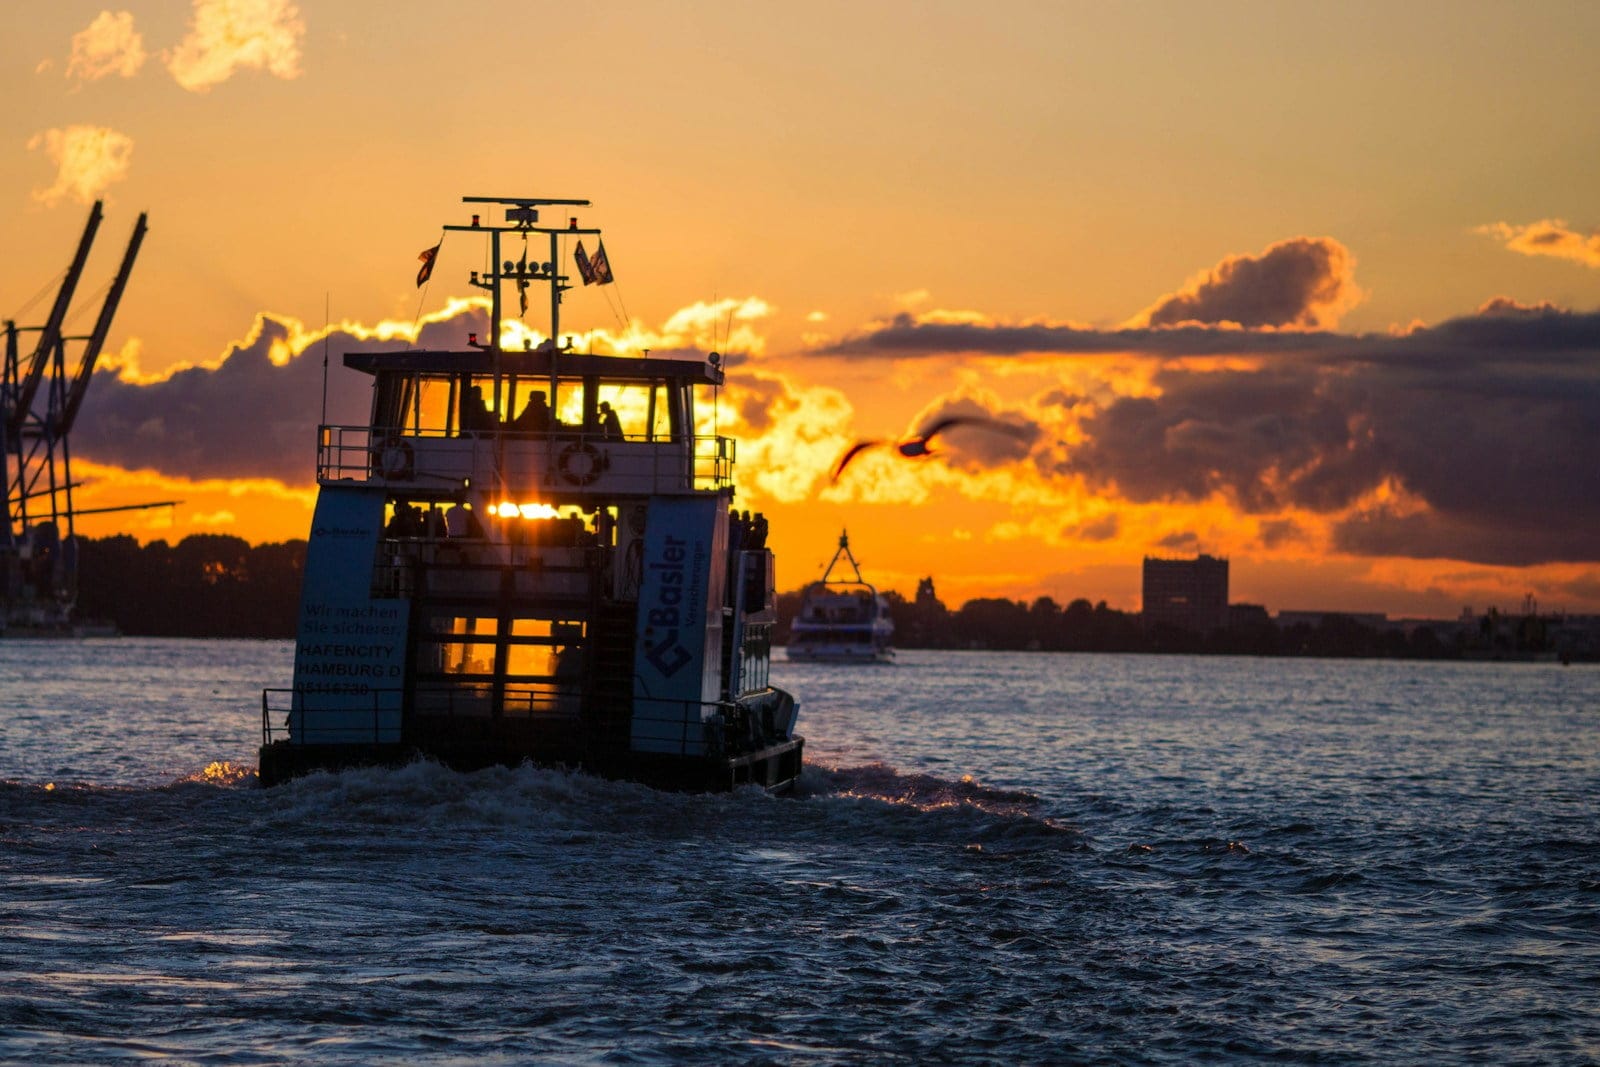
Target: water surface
993, 858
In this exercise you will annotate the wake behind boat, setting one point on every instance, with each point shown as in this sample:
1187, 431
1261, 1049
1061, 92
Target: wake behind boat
842, 620
570, 586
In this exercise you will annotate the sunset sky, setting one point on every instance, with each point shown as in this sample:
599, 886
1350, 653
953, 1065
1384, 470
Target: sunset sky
1313, 287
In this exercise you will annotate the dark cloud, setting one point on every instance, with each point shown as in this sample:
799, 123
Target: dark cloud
1492, 421
247, 417
1505, 305
906, 338
756, 397
1186, 542
1446, 535
1104, 528
1274, 533
1306, 281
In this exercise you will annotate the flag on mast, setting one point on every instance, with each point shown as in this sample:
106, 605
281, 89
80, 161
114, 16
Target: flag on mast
522, 278
585, 268
601, 266
426, 270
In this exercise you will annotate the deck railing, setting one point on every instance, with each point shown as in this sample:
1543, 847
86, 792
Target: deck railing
568, 460
674, 726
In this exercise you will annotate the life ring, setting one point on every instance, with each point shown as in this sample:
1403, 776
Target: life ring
580, 463
396, 461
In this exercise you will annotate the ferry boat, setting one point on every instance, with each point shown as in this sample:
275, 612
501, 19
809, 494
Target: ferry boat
842, 620
533, 556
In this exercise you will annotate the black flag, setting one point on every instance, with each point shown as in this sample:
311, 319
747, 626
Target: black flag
601, 266
426, 270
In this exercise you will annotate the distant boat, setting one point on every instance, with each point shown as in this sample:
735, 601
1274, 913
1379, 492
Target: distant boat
842, 620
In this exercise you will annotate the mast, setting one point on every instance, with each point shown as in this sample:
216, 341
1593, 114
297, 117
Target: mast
522, 216
844, 550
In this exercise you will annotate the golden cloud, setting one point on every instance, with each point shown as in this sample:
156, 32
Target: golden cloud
1547, 237
227, 36
108, 45
88, 160
789, 434
726, 325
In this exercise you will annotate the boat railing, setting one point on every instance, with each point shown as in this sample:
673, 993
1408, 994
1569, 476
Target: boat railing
564, 460
672, 726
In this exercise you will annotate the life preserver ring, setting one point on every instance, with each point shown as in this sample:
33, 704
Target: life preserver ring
580, 463
396, 461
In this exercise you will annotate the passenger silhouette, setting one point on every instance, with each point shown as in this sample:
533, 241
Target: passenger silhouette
610, 425
535, 417
475, 414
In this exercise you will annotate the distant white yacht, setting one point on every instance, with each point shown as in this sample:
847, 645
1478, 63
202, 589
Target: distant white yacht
842, 620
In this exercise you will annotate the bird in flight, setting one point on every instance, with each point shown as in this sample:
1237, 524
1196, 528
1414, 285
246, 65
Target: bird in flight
919, 444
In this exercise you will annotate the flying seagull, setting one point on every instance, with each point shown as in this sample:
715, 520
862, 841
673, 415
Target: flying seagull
918, 444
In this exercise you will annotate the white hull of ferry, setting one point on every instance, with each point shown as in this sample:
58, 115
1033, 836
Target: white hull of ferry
844, 652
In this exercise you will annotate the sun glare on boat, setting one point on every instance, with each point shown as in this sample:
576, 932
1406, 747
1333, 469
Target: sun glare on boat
508, 510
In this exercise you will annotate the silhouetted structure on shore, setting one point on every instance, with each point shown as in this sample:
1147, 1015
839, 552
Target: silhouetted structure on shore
1044, 625
214, 585
1190, 594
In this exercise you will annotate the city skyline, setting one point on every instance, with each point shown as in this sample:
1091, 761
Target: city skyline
1313, 291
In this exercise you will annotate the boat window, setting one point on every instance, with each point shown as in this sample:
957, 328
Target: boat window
391, 399
431, 406
460, 646
565, 410
568, 403
630, 403
703, 409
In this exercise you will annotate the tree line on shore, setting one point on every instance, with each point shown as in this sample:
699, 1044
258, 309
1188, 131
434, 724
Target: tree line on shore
1081, 626
218, 585
207, 585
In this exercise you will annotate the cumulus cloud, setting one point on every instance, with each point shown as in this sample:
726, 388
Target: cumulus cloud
88, 159
1487, 424
108, 45
1470, 440
1303, 282
908, 337
227, 36
253, 414
789, 433
723, 326
1547, 237
1287, 298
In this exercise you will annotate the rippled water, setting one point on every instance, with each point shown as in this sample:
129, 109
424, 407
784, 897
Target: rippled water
994, 858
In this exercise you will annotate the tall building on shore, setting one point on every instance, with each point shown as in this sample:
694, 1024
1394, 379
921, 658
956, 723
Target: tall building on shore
1191, 594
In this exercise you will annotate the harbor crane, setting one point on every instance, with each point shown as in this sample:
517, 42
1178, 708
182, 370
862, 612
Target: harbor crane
40, 397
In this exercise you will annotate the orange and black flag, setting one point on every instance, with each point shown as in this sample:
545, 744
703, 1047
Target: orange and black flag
601, 266
426, 270
522, 280
585, 267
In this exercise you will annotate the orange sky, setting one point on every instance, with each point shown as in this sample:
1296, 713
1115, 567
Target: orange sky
1312, 289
